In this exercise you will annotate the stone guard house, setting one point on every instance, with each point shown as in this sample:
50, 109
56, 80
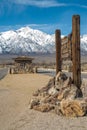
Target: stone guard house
22, 64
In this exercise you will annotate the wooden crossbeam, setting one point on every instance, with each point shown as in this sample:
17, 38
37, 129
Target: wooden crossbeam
66, 48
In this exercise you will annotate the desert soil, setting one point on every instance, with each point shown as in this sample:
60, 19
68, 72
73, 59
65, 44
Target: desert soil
15, 93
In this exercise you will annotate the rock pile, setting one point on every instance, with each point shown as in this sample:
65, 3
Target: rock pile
60, 96
22, 70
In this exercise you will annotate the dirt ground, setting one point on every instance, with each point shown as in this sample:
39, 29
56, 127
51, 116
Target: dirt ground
15, 93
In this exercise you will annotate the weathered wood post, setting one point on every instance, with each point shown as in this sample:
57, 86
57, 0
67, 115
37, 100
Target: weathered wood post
76, 50
58, 50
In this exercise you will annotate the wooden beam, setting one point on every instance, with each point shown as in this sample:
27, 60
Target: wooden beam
76, 50
58, 50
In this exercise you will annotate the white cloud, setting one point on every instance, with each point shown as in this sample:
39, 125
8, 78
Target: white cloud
7, 7
39, 3
78, 5
82, 6
47, 28
44, 3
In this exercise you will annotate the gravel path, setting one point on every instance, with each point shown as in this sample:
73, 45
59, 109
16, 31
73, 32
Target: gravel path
15, 93
33, 120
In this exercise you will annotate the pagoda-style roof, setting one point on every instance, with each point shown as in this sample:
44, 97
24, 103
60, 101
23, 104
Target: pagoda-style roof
23, 59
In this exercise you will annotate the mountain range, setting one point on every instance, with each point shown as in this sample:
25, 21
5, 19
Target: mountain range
27, 40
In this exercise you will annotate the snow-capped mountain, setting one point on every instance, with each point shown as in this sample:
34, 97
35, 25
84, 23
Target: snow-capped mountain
84, 44
27, 40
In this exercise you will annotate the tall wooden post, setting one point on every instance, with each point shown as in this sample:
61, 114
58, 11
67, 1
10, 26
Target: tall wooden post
76, 50
58, 50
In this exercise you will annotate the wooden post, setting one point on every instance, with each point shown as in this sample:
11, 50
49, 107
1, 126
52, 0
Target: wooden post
76, 50
58, 50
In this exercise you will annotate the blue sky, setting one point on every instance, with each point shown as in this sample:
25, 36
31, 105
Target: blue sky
45, 15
